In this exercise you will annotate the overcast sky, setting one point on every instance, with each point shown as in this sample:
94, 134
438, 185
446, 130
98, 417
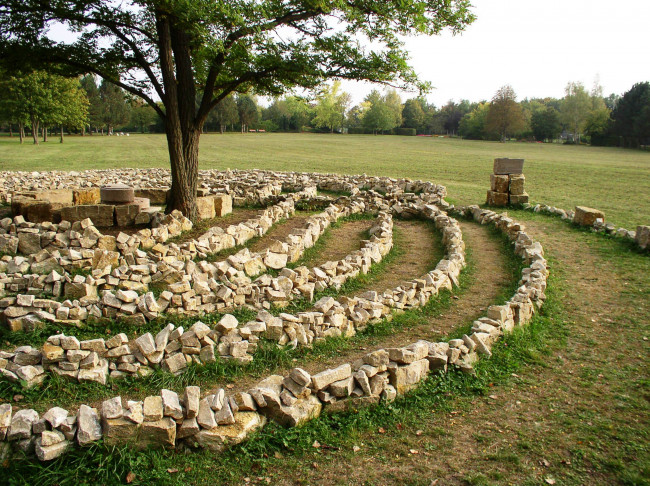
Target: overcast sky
537, 47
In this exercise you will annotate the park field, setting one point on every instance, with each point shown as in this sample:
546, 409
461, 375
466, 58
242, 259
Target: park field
613, 180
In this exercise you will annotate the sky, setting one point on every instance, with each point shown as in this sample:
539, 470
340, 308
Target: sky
535, 46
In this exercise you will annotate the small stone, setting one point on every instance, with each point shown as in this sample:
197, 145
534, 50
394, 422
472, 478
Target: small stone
171, 404
153, 409
112, 408
56, 416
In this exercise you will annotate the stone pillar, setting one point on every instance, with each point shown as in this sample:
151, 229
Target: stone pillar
507, 183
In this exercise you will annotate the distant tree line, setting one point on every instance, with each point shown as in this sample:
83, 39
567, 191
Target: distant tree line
36, 102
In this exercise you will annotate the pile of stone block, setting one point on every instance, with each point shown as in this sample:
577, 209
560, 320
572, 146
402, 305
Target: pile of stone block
507, 183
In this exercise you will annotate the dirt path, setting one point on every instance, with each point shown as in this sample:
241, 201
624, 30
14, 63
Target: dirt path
341, 241
581, 416
281, 230
488, 260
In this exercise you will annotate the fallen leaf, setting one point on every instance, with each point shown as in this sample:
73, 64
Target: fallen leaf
494, 397
544, 463
172, 471
418, 432
316, 444
399, 427
130, 476
549, 481
230, 385
314, 465
413, 451
18, 398
356, 448
381, 430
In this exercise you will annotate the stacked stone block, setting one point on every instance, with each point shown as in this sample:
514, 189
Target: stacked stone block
507, 183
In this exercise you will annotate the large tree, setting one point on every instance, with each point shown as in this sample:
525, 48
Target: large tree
632, 116
331, 105
575, 108
165, 49
505, 116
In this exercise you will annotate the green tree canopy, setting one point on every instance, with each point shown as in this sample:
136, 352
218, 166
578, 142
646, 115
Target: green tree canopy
575, 108
472, 125
632, 115
505, 116
331, 105
167, 50
413, 114
545, 124
114, 107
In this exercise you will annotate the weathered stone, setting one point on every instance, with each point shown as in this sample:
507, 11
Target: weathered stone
205, 417
499, 183
327, 377
642, 237
342, 388
83, 196
377, 358
189, 428
497, 198
119, 430
56, 416
409, 354
146, 344
176, 363
89, 425
227, 324
47, 453
100, 214
585, 216
21, 424
205, 207
191, 401
275, 260
508, 166
153, 409
159, 433
516, 187
125, 214
171, 404
112, 408
51, 437
218, 438
222, 204
405, 378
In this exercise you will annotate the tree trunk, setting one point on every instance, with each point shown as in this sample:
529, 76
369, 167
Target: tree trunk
44, 133
11, 131
184, 160
35, 131
61, 139
21, 132
83, 131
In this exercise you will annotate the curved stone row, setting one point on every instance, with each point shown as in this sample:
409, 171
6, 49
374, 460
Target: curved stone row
131, 270
641, 236
174, 348
217, 420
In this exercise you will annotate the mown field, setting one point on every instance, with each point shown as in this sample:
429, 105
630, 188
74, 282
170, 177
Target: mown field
616, 181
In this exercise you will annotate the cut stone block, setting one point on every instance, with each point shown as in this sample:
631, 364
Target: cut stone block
585, 216
222, 204
205, 207
86, 196
497, 198
499, 183
100, 214
518, 199
508, 166
125, 214
517, 184
642, 237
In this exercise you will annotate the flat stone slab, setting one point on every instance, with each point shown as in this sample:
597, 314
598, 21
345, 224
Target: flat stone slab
508, 166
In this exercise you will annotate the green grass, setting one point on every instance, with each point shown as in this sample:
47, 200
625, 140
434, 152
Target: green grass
614, 180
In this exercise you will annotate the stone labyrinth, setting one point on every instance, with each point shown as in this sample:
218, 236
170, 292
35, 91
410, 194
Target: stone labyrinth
70, 256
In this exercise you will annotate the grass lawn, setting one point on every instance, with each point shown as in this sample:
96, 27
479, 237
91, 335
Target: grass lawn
616, 181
